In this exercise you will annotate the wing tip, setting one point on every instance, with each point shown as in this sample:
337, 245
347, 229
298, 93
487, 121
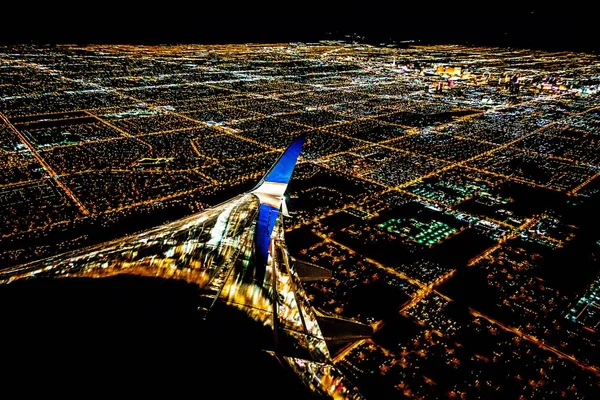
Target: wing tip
282, 169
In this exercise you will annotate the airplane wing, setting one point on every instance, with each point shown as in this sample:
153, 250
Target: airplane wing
236, 254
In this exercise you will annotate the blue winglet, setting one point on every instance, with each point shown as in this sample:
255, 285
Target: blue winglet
267, 216
281, 171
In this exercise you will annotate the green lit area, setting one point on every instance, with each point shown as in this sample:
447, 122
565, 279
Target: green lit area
425, 233
447, 192
587, 309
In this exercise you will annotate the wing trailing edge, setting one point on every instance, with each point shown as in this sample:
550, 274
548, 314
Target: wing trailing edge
342, 330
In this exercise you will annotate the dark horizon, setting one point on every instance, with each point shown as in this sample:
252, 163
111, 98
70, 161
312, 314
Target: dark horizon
502, 26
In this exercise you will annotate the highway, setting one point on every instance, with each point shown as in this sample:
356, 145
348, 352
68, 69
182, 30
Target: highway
51, 173
540, 343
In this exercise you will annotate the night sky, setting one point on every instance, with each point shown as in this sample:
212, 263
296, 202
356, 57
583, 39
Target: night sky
492, 23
